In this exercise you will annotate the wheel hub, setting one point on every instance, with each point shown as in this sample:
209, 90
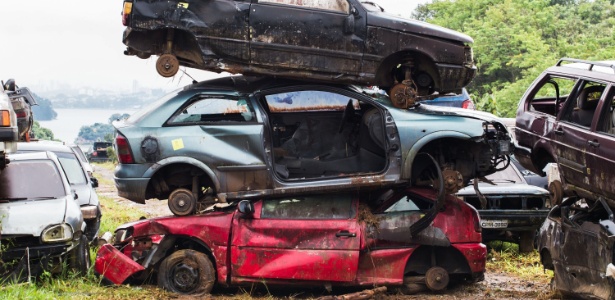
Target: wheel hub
436, 279
185, 277
453, 181
404, 95
182, 202
167, 65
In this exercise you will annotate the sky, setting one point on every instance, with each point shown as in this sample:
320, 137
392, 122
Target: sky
80, 43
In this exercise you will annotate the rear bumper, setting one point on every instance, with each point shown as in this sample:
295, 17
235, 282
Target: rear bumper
454, 77
114, 265
475, 254
132, 189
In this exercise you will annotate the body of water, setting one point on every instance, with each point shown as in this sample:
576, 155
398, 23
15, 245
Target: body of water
67, 124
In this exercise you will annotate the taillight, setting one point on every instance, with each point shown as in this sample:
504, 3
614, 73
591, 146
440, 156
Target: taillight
20, 114
468, 104
5, 118
124, 155
476, 220
126, 12
94, 153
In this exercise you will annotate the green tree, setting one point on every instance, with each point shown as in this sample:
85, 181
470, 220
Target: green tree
42, 133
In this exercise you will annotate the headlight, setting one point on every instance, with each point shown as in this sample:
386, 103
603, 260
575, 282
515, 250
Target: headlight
57, 233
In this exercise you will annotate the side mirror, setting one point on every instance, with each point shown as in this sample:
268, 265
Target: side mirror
246, 207
94, 182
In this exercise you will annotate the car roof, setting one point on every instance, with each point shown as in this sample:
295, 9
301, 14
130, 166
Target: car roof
32, 156
44, 146
603, 70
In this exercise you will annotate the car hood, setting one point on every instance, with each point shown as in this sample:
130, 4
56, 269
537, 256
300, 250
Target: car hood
30, 217
455, 111
385, 20
504, 189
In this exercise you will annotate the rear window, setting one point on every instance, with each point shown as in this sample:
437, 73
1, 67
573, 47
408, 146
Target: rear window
31, 179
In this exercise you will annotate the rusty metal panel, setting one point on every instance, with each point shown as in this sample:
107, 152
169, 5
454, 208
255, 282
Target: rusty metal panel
382, 267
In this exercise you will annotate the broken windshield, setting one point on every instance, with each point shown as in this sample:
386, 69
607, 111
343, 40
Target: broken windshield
31, 179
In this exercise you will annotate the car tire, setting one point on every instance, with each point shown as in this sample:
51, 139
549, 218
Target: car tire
187, 272
556, 192
91, 228
413, 285
526, 241
79, 257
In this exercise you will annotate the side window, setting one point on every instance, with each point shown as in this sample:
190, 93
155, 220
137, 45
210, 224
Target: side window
329, 206
551, 95
308, 101
580, 110
214, 110
334, 5
607, 120
410, 203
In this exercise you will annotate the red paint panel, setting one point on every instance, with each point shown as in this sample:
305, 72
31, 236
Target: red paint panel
476, 255
457, 222
321, 265
114, 265
383, 266
221, 255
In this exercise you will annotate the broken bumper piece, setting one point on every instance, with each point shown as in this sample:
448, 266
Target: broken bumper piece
114, 265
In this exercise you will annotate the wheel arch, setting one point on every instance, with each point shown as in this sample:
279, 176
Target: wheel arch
178, 162
422, 144
153, 41
542, 154
449, 258
425, 63
174, 243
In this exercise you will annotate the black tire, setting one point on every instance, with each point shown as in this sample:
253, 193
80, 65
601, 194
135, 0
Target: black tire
91, 228
556, 192
526, 241
79, 257
187, 272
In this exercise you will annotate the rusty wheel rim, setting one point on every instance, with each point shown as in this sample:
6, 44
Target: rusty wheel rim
436, 279
167, 65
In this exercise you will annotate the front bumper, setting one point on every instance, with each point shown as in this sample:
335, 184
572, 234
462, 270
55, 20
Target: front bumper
518, 220
114, 265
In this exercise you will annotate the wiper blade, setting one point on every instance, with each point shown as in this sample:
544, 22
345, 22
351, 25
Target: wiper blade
14, 198
43, 198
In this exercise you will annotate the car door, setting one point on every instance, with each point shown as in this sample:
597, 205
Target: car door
315, 238
572, 134
601, 152
221, 131
308, 35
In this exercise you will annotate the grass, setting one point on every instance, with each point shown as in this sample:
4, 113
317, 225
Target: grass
505, 257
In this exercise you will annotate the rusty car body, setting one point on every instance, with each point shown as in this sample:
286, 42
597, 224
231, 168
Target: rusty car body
248, 137
8, 129
347, 239
576, 242
333, 41
513, 210
566, 117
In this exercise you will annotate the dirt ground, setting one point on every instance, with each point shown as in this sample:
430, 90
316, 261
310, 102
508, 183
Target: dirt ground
497, 285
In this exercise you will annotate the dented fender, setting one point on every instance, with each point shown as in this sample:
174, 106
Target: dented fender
114, 265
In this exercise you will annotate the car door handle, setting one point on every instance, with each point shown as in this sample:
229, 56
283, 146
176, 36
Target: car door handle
594, 143
345, 233
559, 131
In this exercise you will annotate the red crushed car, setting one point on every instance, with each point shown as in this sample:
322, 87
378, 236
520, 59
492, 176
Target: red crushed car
398, 238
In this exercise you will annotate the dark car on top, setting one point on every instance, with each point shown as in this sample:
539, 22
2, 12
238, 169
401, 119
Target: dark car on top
334, 239
245, 137
567, 117
342, 41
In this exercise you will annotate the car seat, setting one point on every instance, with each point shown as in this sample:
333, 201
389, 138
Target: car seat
587, 101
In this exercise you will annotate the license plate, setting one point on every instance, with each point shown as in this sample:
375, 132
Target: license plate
494, 223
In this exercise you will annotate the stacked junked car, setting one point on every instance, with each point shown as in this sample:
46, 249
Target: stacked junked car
351, 183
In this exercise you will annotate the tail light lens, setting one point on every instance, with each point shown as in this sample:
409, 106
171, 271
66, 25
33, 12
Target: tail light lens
468, 104
126, 12
124, 155
20, 114
476, 220
94, 153
5, 118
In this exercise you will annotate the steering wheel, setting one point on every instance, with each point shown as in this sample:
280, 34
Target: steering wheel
347, 115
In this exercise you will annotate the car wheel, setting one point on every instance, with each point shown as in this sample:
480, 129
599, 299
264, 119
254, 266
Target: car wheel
526, 241
79, 257
556, 192
181, 202
187, 272
91, 228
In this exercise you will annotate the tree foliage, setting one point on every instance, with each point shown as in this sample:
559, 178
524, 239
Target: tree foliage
515, 40
42, 133
95, 133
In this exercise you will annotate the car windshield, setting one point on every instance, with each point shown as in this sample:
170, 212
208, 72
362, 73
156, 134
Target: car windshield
31, 179
72, 168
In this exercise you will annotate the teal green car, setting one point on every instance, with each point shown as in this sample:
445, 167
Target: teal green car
246, 137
